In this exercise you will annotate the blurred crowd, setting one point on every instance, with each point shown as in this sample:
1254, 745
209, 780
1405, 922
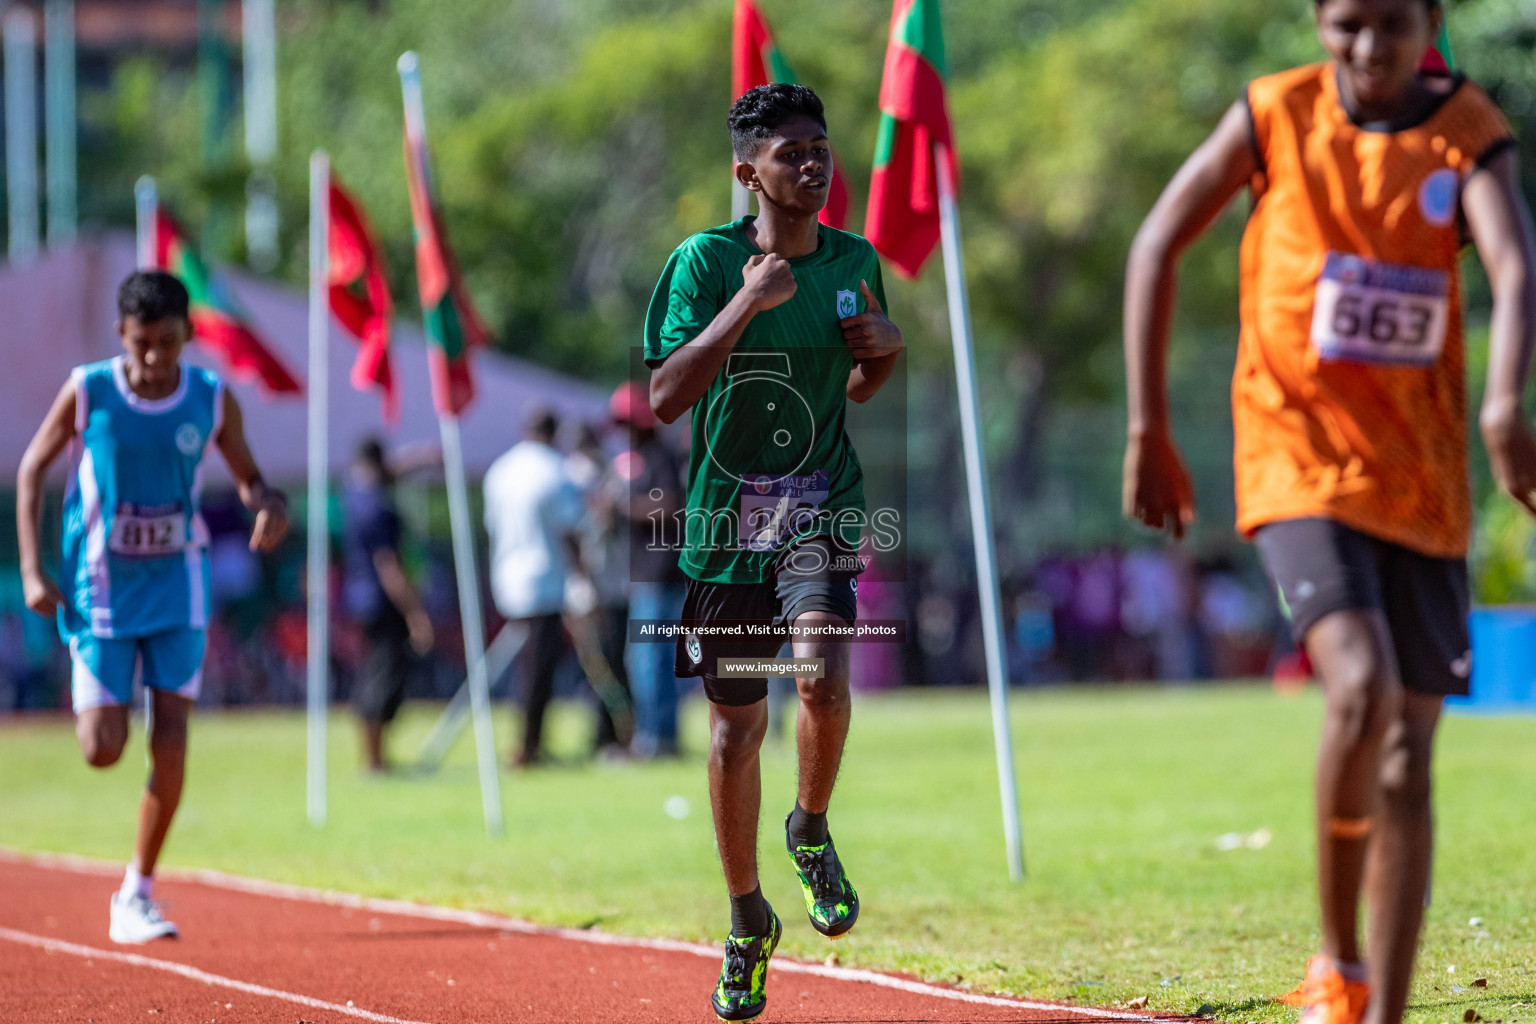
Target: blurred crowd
569, 567
1149, 613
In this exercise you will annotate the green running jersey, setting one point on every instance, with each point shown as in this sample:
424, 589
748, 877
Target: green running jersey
771, 460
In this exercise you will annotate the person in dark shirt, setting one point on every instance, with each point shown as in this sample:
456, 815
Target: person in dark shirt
379, 598
653, 473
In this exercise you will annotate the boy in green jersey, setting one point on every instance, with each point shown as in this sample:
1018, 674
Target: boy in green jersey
765, 328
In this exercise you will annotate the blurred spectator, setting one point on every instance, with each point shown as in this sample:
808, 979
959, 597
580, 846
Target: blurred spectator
1033, 636
532, 511
1235, 618
876, 664
379, 597
654, 495
1157, 606
597, 603
28, 645
1093, 617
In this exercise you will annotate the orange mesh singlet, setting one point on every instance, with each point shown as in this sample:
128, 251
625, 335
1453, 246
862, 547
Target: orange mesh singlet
1349, 397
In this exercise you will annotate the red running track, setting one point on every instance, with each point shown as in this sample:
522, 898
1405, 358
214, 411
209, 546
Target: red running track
261, 952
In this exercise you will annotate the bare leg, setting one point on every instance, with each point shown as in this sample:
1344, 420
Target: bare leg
1353, 653
373, 746
168, 757
821, 728
1397, 876
736, 789
102, 732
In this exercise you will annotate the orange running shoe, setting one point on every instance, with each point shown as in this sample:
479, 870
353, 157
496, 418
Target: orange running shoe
1327, 997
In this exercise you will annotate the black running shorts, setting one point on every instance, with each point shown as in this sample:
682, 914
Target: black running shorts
809, 577
386, 667
1321, 566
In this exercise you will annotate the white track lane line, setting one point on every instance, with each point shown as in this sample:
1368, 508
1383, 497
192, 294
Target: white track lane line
193, 974
480, 919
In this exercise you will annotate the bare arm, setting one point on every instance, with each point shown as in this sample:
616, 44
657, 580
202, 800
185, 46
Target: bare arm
1156, 485
403, 596
53, 435
1501, 226
876, 342
269, 504
687, 373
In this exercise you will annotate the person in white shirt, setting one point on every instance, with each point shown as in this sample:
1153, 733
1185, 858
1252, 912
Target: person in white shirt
532, 511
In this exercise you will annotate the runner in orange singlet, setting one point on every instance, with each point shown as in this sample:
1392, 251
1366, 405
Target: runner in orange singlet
1350, 416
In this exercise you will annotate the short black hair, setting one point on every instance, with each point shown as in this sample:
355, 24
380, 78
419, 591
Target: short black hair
543, 425
151, 295
762, 111
371, 456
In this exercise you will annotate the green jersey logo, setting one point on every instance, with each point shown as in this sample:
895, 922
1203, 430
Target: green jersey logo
847, 304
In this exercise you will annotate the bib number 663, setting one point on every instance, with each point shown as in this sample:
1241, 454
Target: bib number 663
1372, 312
1384, 321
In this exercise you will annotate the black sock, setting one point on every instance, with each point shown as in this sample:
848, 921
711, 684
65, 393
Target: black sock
749, 914
807, 829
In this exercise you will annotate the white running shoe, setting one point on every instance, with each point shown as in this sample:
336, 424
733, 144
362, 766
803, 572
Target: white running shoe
137, 919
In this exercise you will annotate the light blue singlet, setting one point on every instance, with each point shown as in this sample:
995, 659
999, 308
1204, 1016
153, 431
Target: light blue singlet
135, 548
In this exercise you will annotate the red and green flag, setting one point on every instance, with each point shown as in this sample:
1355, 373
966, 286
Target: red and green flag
903, 218
451, 322
755, 61
217, 319
359, 296
1439, 60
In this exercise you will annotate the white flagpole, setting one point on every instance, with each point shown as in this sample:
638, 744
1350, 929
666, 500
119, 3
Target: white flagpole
146, 202
981, 511
21, 133
259, 43
317, 673
59, 102
463, 533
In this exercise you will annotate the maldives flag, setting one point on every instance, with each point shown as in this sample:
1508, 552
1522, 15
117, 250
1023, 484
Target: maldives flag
217, 320
354, 258
903, 218
451, 322
755, 61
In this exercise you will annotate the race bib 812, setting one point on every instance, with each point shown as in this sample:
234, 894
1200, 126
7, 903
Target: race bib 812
1373, 312
148, 530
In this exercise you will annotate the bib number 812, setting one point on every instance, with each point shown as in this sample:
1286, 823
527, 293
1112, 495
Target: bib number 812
148, 535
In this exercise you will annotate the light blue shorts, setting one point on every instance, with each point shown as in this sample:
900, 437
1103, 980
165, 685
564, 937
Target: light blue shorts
104, 667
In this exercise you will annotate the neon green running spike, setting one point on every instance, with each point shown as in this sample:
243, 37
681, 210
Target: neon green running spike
830, 901
742, 992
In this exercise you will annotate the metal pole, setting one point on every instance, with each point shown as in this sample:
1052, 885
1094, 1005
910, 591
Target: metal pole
59, 97
213, 103
506, 645
474, 624
463, 535
981, 511
21, 132
259, 39
318, 668
146, 203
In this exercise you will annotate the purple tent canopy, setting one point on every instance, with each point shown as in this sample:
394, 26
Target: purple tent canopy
59, 312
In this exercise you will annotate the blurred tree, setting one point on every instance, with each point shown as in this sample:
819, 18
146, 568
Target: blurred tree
577, 143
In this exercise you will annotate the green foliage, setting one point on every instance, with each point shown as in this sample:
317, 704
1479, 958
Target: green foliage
576, 144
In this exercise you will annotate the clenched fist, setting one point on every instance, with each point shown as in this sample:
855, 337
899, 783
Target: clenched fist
768, 280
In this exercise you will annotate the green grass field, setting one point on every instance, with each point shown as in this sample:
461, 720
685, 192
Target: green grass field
1124, 794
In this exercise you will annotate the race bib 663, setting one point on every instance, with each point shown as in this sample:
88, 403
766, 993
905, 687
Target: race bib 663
1368, 311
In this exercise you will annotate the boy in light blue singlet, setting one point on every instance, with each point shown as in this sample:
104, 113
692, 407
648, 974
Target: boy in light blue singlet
134, 572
